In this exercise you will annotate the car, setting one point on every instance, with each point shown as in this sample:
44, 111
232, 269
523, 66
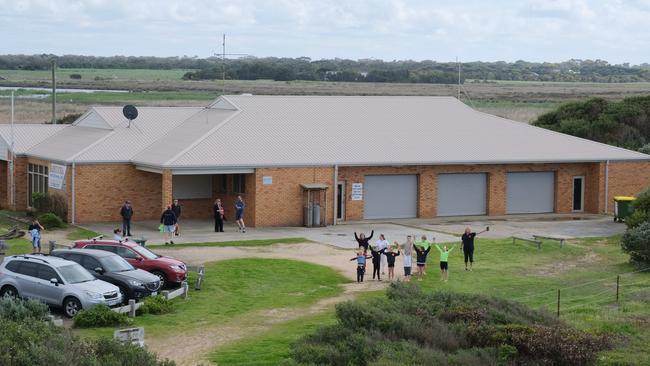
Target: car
133, 283
55, 281
168, 270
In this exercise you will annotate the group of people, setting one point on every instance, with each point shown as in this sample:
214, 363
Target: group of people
170, 217
383, 254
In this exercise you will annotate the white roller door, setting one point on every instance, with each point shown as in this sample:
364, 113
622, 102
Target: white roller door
462, 194
390, 196
530, 192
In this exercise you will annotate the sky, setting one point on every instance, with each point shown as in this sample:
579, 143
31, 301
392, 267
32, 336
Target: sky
472, 30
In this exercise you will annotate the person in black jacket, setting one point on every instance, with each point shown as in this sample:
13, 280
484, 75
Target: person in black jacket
391, 254
176, 207
218, 216
376, 261
421, 253
168, 219
363, 241
127, 213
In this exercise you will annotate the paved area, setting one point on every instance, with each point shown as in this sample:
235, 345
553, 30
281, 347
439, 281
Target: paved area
444, 230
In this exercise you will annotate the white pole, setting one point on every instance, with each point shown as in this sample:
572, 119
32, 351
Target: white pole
335, 193
12, 187
73, 200
606, 186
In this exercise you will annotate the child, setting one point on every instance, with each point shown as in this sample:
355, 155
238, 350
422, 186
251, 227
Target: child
117, 234
361, 264
422, 249
35, 231
407, 252
363, 241
444, 262
390, 258
376, 253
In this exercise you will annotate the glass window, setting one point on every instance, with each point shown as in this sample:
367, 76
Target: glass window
37, 180
223, 184
46, 273
108, 248
28, 269
126, 253
90, 263
147, 253
116, 263
239, 183
74, 273
14, 266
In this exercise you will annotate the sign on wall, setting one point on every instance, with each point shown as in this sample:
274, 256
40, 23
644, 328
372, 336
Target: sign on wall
267, 180
357, 191
57, 176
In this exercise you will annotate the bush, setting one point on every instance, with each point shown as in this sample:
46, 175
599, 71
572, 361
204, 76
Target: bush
636, 218
50, 202
636, 243
99, 316
75, 76
50, 221
20, 309
642, 202
156, 305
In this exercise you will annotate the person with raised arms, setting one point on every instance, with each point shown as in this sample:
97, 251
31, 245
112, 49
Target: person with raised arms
468, 245
444, 261
422, 248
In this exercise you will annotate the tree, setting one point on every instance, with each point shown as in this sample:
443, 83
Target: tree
636, 243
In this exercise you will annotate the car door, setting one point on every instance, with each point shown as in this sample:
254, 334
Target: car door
130, 255
27, 280
48, 291
91, 264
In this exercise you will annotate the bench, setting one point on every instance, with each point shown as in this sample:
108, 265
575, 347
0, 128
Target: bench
556, 238
538, 243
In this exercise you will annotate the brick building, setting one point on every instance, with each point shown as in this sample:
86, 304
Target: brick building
374, 157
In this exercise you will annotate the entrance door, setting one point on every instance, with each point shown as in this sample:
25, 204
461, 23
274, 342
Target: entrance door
340, 201
578, 194
390, 196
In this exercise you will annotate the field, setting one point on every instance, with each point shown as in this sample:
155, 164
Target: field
521, 101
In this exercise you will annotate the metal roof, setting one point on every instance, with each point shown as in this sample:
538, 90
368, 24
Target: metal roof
258, 131
27, 135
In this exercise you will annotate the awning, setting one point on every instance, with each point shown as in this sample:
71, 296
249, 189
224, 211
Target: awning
314, 186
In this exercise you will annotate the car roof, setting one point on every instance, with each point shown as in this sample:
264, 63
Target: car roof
127, 243
96, 253
44, 259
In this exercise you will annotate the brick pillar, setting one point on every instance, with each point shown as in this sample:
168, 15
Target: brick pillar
166, 188
497, 182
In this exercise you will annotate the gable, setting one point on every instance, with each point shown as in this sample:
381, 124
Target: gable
94, 120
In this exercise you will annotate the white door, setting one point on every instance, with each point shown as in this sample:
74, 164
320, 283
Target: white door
530, 192
462, 194
390, 196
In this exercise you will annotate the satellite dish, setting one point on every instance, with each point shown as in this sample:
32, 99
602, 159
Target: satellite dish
130, 112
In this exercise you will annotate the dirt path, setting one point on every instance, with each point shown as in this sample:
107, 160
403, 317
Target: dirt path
191, 347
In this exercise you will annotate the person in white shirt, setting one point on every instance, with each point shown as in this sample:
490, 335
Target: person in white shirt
380, 245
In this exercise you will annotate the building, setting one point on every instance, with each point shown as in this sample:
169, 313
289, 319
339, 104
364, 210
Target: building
377, 157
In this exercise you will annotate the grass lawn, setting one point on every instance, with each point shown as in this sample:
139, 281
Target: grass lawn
80, 233
91, 74
132, 97
235, 243
239, 287
19, 246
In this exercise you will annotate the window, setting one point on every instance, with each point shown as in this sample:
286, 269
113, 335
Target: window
223, 184
46, 273
14, 266
126, 253
108, 248
239, 183
37, 179
28, 269
90, 263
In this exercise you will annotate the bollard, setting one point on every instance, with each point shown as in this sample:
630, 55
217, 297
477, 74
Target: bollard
186, 289
618, 281
199, 278
558, 303
165, 294
131, 308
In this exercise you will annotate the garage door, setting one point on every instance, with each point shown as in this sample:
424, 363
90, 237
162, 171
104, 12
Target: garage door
390, 196
462, 194
530, 192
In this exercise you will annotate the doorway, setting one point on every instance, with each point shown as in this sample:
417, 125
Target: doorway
340, 201
578, 194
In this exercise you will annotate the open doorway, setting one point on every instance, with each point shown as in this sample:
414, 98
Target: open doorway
578, 194
340, 201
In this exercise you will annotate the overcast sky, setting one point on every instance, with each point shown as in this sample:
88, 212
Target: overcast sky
509, 30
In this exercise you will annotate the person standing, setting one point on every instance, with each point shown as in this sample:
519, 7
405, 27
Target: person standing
239, 214
391, 253
422, 249
168, 220
361, 264
376, 260
127, 214
407, 253
382, 244
176, 207
444, 262
363, 241
218, 216
35, 229
468, 246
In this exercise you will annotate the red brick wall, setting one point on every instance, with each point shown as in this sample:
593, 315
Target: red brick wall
4, 184
627, 179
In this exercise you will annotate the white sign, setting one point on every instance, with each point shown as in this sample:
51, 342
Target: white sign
267, 180
57, 176
357, 191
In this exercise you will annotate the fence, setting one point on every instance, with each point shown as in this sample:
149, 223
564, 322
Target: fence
611, 290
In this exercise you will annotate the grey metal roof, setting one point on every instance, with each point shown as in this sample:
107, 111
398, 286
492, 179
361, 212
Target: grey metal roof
360, 130
27, 135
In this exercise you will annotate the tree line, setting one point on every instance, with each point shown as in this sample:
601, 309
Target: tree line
369, 70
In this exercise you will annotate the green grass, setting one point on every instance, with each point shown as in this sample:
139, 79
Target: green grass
91, 74
19, 246
237, 243
238, 288
80, 233
133, 97
494, 104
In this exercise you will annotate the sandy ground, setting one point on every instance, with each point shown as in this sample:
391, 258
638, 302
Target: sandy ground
192, 346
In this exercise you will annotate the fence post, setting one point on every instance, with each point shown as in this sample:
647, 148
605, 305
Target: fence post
52, 245
558, 303
199, 278
618, 281
165, 294
186, 289
131, 308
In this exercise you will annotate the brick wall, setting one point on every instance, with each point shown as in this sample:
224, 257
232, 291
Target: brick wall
627, 179
228, 197
4, 184
20, 169
281, 203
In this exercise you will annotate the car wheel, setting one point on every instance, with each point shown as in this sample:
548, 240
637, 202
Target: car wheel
9, 291
162, 278
71, 306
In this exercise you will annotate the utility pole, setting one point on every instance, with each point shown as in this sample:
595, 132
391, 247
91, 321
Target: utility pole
458, 64
12, 185
53, 91
223, 63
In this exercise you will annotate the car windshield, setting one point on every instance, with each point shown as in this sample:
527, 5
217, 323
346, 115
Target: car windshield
146, 253
115, 263
75, 273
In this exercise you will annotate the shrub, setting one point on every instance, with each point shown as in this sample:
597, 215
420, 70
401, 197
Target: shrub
99, 316
50, 202
636, 243
20, 309
156, 305
50, 221
75, 76
645, 149
113, 353
636, 218
642, 202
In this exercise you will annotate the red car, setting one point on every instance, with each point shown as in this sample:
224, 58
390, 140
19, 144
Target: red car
169, 270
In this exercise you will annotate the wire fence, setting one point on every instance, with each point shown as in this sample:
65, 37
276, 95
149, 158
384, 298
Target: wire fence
610, 292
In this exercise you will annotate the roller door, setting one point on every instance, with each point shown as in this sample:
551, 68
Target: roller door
462, 194
390, 196
530, 192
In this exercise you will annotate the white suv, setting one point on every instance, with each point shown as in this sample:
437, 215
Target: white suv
55, 281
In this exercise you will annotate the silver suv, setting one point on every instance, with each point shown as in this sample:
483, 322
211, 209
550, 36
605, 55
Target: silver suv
55, 281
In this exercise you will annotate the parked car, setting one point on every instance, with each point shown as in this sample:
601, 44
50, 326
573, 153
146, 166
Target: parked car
55, 281
110, 267
168, 270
